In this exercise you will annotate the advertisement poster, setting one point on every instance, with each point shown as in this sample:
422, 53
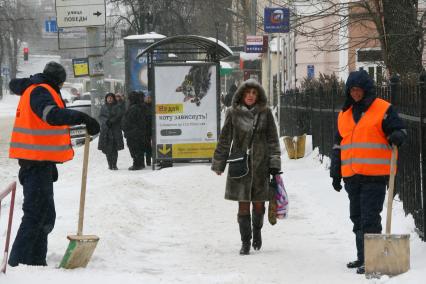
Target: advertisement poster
186, 111
138, 69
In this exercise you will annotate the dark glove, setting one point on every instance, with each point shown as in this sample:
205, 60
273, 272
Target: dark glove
92, 125
396, 138
274, 171
108, 123
336, 184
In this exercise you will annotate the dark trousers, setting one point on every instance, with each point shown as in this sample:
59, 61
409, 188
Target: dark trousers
30, 246
136, 151
148, 155
365, 205
112, 159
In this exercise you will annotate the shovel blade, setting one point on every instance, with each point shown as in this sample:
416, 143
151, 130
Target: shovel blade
79, 251
386, 254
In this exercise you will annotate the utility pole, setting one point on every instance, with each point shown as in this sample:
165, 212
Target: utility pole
95, 52
253, 16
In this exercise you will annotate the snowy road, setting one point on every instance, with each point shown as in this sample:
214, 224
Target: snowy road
173, 226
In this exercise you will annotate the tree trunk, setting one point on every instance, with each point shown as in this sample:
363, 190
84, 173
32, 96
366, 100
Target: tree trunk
403, 37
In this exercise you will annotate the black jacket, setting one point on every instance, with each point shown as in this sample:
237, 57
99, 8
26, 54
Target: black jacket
391, 122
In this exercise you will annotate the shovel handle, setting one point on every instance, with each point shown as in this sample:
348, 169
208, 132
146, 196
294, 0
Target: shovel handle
83, 184
391, 188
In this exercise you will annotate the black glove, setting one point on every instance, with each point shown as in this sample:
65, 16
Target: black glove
92, 125
396, 138
274, 171
108, 123
336, 184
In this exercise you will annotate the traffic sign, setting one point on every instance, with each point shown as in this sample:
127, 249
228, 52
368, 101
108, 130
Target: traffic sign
50, 26
277, 20
80, 13
80, 67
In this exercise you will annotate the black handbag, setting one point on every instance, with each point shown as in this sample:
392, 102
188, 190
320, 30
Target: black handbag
238, 161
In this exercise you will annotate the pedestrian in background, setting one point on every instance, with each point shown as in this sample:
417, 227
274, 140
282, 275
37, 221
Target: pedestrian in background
249, 108
361, 155
40, 139
135, 129
111, 136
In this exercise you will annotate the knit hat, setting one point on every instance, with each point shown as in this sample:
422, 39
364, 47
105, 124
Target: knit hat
55, 72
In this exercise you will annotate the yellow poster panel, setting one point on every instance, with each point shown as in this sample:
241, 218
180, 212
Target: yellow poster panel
193, 150
81, 69
168, 108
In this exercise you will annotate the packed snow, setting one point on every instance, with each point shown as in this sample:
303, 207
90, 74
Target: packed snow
174, 226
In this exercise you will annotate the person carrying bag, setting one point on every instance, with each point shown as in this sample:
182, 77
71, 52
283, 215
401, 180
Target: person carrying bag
250, 134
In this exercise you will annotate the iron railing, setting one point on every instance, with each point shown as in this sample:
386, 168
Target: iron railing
314, 111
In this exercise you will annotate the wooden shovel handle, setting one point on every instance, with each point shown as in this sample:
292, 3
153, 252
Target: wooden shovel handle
83, 184
391, 188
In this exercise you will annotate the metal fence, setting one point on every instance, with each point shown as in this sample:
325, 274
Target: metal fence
314, 111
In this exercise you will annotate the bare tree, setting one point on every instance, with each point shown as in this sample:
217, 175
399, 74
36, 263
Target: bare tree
397, 27
16, 20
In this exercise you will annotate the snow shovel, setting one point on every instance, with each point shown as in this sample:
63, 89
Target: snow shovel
81, 247
387, 254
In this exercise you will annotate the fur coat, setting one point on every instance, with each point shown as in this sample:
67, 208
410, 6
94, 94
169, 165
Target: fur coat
265, 151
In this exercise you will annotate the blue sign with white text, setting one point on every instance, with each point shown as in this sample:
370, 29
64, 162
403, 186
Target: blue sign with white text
311, 71
50, 26
277, 20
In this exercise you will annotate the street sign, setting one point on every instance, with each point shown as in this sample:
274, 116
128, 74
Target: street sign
256, 44
5, 71
80, 67
50, 26
311, 71
277, 20
80, 13
96, 66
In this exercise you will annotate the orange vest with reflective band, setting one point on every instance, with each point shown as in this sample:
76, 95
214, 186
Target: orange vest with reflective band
364, 147
33, 138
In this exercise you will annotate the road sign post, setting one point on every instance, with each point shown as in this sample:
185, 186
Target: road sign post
80, 13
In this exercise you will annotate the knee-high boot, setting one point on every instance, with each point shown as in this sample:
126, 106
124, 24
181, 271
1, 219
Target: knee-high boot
257, 220
245, 231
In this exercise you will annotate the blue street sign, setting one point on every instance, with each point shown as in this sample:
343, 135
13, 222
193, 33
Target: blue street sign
50, 26
277, 20
5, 71
311, 71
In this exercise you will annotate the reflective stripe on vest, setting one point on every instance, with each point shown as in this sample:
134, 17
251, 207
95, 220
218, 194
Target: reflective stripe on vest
364, 147
33, 138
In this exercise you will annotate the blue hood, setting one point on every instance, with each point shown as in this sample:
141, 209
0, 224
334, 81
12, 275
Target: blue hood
362, 80
18, 86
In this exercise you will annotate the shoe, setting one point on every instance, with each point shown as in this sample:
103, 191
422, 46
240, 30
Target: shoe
361, 269
245, 248
12, 263
354, 264
136, 168
115, 168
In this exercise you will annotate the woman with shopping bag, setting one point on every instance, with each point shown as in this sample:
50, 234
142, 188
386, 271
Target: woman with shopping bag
248, 138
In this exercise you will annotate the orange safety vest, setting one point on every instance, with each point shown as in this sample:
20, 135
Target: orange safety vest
34, 139
364, 147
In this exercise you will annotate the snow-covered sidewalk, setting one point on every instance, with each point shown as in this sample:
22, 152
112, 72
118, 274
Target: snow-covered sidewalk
173, 226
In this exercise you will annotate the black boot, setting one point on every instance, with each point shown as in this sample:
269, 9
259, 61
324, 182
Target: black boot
361, 269
257, 220
245, 232
109, 162
354, 264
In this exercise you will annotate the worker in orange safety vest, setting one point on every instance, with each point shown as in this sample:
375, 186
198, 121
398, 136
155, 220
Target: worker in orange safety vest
366, 128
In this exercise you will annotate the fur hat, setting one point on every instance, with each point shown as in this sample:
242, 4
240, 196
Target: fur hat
56, 72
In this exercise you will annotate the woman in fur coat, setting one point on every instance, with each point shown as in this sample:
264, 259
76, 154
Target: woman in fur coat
249, 105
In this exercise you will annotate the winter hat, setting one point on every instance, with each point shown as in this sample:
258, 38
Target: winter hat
110, 95
55, 72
